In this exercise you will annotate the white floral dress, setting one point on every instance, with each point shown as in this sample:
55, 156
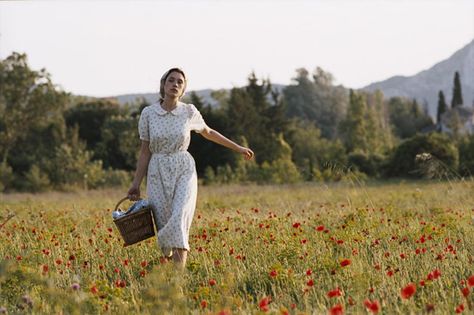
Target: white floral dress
171, 177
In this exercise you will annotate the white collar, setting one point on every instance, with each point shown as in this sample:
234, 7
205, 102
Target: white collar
178, 110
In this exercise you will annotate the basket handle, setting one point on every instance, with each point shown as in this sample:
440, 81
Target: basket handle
121, 200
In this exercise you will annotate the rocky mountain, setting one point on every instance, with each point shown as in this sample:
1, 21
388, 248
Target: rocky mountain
425, 85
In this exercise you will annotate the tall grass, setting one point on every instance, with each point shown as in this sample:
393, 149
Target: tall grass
281, 249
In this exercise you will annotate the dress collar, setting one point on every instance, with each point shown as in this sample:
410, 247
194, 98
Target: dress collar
175, 112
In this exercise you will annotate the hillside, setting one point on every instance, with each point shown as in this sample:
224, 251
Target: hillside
425, 85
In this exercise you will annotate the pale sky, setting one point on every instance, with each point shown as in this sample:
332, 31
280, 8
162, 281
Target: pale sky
105, 48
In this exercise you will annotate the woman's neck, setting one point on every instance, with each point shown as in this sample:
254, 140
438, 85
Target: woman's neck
169, 103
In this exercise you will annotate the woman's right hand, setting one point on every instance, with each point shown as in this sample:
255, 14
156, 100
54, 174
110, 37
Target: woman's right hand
134, 193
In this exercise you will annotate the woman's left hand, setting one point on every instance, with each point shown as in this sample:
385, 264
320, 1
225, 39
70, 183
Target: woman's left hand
247, 153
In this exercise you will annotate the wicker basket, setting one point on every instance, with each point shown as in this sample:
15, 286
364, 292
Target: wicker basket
135, 227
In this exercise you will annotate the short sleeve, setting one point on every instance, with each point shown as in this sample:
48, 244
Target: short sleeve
143, 126
197, 123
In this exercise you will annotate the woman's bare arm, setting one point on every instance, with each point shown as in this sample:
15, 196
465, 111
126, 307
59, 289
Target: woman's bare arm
214, 136
142, 167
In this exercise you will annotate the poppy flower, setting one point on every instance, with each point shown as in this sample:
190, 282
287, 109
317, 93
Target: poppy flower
470, 281
465, 291
203, 304
460, 309
320, 228
345, 262
334, 293
273, 273
336, 310
263, 304
435, 274
408, 291
310, 283
212, 282
372, 306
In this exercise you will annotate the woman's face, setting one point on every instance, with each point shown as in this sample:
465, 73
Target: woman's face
175, 84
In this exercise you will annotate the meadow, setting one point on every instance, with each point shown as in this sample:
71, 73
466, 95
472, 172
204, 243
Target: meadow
343, 248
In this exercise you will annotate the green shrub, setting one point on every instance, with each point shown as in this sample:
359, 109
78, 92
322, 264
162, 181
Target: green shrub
116, 178
369, 164
443, 154
6, 176
36, 180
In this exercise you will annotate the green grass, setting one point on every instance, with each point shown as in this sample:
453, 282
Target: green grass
254, 242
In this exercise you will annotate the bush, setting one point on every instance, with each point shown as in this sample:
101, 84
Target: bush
116, 178
369, 164
466, 156
438, 146
36, 180
6, 176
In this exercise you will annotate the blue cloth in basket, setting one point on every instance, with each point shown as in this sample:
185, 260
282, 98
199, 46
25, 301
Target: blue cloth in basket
137, 206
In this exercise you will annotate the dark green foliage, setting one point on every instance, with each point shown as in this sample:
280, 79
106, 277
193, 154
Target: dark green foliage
90, 118
119, 142
442, 107
407, 117
370, 164
457, 93
443, 152
466, 155
316, 100
28, 99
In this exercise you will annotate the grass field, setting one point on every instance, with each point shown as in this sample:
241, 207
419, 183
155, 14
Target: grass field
399, 247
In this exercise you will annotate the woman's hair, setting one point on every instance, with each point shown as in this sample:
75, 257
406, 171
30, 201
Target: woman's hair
163, 81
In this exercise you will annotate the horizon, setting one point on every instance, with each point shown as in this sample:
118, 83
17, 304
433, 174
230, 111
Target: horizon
224, 42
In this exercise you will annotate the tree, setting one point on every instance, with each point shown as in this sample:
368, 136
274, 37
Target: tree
317, 101
90, 118
407, 118
27, 99
442, 107
354, 128
457, 93
442, 151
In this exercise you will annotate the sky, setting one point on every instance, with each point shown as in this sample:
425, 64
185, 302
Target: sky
107, 48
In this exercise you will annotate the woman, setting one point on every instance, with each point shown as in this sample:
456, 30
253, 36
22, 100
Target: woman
164, 129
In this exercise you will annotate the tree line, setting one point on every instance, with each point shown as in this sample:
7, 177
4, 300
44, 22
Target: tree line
312, 130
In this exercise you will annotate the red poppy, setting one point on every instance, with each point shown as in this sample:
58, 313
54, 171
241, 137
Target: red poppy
460, 308
273, 273
309, 272
470, 281
94, 289
263, 304
372, 306
212, 282
334, 293
144, 263
336, 310
435, 274
203, 304
408, 291
465, 291
296, 225
310, 283
345, 262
